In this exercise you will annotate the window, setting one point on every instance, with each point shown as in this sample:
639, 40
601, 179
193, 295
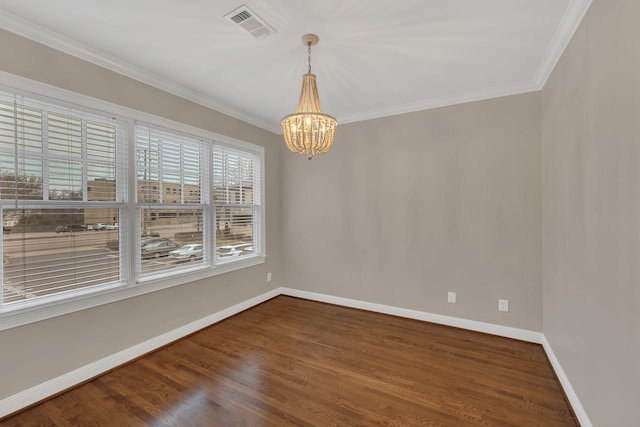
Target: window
76, 224
236, 195
182, 216
181, 163
58, 169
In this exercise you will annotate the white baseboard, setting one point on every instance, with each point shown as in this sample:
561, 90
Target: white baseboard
63, 382
489, 328
578, 409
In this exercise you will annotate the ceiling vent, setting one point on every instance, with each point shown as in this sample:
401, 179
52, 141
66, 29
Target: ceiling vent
250, 22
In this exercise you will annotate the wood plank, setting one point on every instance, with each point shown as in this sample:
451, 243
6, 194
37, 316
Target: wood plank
295, 362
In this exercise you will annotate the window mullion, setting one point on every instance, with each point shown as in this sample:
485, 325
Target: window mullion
160, 166
50, 142
132, 210
45, 155
84, 157
182, 168
16, 149
206, 197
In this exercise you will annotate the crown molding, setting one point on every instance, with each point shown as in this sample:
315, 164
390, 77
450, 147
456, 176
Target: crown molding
46, 37
496, 92
570, 22
574, 14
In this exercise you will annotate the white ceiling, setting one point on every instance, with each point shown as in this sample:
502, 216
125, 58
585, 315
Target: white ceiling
374, 59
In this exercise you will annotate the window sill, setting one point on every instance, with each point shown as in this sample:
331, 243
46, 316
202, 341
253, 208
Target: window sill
47, 308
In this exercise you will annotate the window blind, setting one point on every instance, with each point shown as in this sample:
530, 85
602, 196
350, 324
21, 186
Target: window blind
62, 179
237, 199
69, 226
172, 189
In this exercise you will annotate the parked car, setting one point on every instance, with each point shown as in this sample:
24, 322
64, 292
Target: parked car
112, 226
6, 229
100, 226
233, 251
69, 228
157, 248
227, 252
245, 248
151, 239
191, 251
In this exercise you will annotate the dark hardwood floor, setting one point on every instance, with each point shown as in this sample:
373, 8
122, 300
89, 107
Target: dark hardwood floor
290, 361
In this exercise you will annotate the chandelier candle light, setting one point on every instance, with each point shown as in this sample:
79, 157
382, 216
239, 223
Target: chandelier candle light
309, 131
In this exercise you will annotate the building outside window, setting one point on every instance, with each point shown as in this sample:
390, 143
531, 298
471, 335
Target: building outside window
69, 217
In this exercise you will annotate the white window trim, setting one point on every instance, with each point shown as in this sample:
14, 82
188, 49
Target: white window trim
58, 305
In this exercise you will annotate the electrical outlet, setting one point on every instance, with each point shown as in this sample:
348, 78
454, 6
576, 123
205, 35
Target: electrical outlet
503, 305
268, 277
451, 297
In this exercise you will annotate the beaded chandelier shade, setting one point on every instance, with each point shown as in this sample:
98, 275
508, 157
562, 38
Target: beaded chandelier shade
308, 131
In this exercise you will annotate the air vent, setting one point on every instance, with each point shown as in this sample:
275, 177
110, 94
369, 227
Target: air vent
250, 22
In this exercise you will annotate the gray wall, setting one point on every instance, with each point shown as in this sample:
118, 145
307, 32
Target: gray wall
40, 351
405, 208
591, 212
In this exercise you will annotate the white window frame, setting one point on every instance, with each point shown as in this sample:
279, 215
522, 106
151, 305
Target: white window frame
57, 305
204, 204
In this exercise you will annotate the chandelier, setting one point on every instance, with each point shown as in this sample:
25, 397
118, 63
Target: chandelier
309, 131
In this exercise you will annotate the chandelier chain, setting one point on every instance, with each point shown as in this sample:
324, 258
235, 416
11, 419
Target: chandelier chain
309, 56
